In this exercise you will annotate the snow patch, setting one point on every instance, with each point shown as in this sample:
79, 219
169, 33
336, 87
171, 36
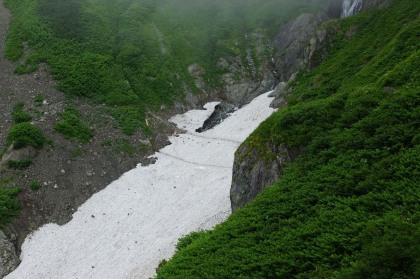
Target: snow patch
125, 230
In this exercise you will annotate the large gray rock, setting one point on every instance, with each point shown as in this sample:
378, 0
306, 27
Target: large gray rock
281, 93
253, 172
221, 112
17, 155
8, 258
243, 91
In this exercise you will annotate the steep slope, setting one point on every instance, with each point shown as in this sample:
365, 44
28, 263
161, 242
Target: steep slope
124, 230
100, 78
139, 55
347, 207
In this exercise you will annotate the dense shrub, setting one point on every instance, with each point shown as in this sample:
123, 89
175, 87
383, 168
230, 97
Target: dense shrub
71, 125
19, 115
8, 206
19, 165
35, 185
134, 55
24, 135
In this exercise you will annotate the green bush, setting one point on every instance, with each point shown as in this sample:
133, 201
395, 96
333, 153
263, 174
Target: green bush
19, 115
35, 185
71, 125
133, 55
39, 98
128, 118
8, 206
19, 165
25, 135
188, 239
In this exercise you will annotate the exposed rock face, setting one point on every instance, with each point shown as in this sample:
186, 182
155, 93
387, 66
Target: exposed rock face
197, 72
16, 155
291, 41
368, 4
299, 44
247, 78
8, 258
221, 112
253, 172
281, 92
317, 47
243, 91
253, 169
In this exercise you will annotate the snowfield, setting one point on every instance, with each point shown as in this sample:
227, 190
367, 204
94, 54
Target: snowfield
125, 230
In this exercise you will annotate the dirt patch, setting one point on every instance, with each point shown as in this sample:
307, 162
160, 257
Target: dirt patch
69, 172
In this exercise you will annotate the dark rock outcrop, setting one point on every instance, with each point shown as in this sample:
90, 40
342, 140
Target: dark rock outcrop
221, 112
246, 78
254, 170
291, 41
8, 258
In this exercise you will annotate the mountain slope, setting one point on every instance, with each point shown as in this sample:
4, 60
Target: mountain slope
135, 56
348, 206
123, 68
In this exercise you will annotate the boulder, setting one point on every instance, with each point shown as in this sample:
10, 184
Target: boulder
252, 172
221, 112
17, 155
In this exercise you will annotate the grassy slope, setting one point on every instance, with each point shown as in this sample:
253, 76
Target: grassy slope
348, 207
133, 55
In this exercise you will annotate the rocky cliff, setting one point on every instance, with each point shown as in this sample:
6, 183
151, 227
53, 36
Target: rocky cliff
300, 44
296, 48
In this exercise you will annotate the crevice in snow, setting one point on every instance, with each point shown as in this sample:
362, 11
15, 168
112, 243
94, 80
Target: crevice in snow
212, 138
194, 163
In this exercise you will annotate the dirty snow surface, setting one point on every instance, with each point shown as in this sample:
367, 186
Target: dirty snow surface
125, 230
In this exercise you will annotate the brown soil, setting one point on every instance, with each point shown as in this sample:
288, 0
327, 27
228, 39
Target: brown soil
69, 172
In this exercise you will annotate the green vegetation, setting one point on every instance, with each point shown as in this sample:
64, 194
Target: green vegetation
25, 135
19, 115
120, 146
39, 98
71, 126
348, 207
76, 152
8, 206
19, 165
35, 185
133, 55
